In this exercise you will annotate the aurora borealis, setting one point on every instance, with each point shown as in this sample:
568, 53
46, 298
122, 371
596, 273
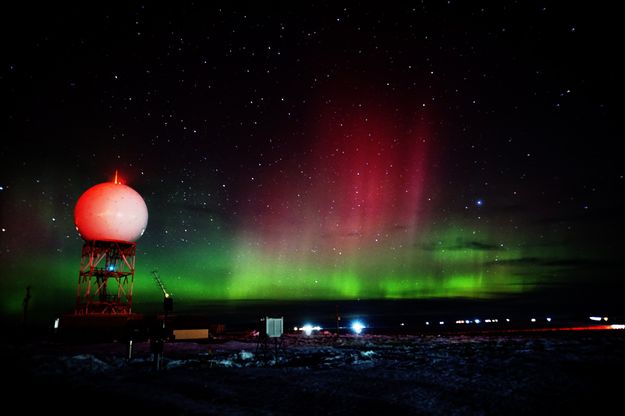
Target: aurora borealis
430, 151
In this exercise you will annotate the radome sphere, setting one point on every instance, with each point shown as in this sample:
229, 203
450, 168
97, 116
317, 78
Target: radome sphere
112, 212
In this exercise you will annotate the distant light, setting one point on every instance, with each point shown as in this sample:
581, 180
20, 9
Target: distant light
488, 321
507, 319
617, 326
402, 324
357, 327
548, 319
56, 323
479, 202
441, 323
477, 321
111, 268
605, 318
533, 319
308, 328
427, 322
460, 321
595, 318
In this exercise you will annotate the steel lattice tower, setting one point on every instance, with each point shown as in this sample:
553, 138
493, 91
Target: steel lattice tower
106, 278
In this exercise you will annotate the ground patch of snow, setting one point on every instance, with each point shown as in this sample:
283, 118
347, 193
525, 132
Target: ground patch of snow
447, 375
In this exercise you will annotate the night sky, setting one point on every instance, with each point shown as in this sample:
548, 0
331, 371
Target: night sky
425, 150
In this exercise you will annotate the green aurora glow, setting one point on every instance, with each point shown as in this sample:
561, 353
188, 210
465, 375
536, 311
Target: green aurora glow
447, 269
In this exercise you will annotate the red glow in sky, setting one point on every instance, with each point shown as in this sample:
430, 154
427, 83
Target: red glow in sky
361, 184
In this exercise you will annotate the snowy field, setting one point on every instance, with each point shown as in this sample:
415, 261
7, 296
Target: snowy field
546, 373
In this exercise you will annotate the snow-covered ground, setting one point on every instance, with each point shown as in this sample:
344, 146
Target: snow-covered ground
547, 373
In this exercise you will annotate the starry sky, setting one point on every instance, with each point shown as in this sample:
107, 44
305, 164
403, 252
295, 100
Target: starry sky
433, 149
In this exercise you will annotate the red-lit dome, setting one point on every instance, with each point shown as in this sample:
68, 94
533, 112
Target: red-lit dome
111, 211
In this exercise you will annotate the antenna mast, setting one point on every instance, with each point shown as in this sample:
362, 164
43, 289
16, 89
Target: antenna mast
160, 284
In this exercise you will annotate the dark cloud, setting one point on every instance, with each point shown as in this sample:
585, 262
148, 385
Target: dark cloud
522, 261
462, 245
571, 263
477, 245
579, 263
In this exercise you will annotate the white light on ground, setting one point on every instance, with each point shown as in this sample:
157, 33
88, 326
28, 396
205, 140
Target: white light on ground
595, 318
357, 327
617, 326
56, 323
533, 319
307, 329
548, 319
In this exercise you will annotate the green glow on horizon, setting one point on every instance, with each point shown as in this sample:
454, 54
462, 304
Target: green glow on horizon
248, 271
445, 264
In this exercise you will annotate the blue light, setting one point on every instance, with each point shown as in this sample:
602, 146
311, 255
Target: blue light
357, 327
111, 268
479, 202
